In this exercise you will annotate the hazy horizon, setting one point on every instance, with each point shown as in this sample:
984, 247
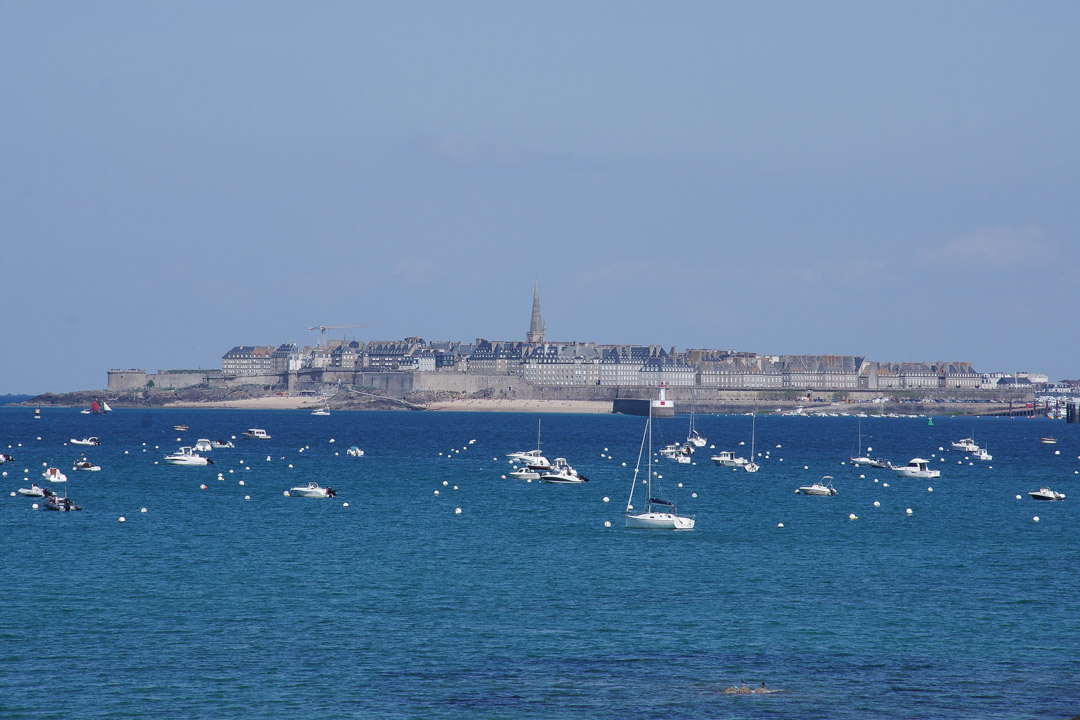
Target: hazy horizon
893, 181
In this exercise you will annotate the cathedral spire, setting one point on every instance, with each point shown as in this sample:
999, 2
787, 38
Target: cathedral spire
537, 332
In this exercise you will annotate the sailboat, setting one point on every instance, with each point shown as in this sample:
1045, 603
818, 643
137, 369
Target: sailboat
752, 466
694, 437
532, 458
861, 459
660, 514
99, 408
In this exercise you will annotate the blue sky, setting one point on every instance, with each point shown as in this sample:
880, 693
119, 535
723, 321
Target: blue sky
894, 180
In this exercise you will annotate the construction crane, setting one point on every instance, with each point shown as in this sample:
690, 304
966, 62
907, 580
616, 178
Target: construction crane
324, 328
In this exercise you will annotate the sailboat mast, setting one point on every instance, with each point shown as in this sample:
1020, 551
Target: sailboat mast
648, 485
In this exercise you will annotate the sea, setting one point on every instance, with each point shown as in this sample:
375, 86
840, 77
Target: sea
435, 586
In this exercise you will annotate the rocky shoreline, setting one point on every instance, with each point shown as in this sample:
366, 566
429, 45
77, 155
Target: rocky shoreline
253, 397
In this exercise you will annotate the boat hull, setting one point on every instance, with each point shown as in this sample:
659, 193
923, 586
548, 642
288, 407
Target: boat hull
659, 521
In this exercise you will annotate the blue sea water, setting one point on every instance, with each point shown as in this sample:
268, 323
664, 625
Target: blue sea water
525, 605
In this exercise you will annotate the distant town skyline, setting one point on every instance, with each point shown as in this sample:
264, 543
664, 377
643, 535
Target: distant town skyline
894, 181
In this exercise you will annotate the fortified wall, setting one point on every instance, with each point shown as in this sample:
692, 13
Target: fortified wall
136, 379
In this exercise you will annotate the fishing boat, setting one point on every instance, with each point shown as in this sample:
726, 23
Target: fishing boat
917, 468
54, 475
85, 465
256, 433
966, 445
312, 490
180, 428
727, 458
822, 487
1048, 440
1046, 494
660, 513
983, 454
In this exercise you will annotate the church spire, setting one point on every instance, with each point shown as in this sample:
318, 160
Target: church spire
537, 332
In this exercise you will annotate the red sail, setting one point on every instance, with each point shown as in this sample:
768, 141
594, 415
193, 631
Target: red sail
94, 407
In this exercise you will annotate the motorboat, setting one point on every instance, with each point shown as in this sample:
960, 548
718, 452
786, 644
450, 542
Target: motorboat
1046, 494
188, 457
203, 445
85, 441
4, 458
525, 473
221, 444
983, 454
917, 468
36, 490
682, 459
561, 472
659, 513
966, 445
321, 412
1048, 440
354, 451
821, 487
86, 466
54, 475
727, 458
256, 434
180, 428
60, 504
881, 464
312, 490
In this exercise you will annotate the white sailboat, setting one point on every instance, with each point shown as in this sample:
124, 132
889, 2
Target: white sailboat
694, 437
752, 466
660, 514
859, 458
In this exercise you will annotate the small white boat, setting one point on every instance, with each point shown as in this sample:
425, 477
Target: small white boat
85, 441
188, 457
54, 475
1048, 440
354, 452
822, 487
86, 466
983, 454
727, 458
682, 459
203, 445
561, 472
180, 428
321, 412
525, 473
966, 445
312, 490
35, 490
256, 433
5, 458
221, 444
917, 468
751, 467
1046, 494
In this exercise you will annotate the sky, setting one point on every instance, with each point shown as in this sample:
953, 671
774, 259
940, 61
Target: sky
899, 181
